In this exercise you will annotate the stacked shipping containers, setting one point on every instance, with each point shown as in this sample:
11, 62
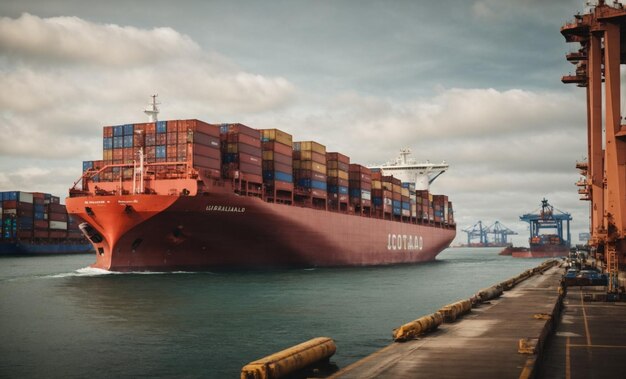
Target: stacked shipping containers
242, 156
382, 195
36, 215
360, 188
337, 168
163, 141
309, 168
277, 165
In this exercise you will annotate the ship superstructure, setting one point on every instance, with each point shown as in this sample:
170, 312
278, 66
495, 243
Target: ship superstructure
409, 170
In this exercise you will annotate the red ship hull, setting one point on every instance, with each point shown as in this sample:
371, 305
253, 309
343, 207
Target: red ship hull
543, 251
160, 232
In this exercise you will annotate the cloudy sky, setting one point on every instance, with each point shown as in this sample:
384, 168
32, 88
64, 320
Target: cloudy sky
473, 82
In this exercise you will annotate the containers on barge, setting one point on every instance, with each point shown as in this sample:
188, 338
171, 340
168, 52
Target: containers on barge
39, 220
277, 149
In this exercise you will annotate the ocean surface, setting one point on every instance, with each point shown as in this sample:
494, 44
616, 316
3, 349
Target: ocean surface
61, 319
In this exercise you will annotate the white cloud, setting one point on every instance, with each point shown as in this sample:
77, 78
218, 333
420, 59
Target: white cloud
63, 78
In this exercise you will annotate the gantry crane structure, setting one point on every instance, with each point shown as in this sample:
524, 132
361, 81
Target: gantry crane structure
601, 33
547, 218
478, 230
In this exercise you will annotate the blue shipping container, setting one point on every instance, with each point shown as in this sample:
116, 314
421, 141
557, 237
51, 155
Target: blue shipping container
160, 151
406, 206
278, 176
397, 211
128, 141
338, 189
87, 165
229, 158
118, 142
377, 201
40, 208
107, 143
11, 195
397, 204
308, 183
118, 130
161, 127
129, 129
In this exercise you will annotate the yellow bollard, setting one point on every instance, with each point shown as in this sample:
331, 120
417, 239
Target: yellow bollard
416, 327
289, 360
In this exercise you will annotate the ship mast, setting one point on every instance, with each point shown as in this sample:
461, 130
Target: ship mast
152, 111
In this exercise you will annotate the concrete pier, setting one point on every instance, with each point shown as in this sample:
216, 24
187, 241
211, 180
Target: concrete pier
502, 338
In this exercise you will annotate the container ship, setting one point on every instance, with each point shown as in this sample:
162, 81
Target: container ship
189, 195
548, 235
36, 223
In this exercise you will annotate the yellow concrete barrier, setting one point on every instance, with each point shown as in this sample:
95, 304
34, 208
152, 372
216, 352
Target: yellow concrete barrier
290, 360
452, 311
417, 327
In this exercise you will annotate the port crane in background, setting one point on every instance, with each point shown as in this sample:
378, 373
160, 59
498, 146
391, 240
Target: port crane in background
550, 219
600, 33
500, 233
478, 230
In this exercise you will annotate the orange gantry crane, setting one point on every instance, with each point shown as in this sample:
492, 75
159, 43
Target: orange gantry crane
601, 33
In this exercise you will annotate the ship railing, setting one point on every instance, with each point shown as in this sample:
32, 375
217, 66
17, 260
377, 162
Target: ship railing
180, 171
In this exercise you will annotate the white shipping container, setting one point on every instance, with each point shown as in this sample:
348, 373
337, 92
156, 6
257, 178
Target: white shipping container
25, 197
10, 211
58, 225
366, 195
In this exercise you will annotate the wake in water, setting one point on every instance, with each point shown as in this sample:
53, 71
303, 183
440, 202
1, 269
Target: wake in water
92, 271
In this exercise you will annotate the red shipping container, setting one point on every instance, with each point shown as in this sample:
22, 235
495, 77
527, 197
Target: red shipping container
129, 153
243, 129
247, 149
277, 147
250, 168
244, 138
333, 156
138, 140
9, 204
40, 233
280, 186
107, 131
56, 208
172, 126
182, 136
206, 151
277, 166
57, 216
206, 140
58, 234
150, 128
377, 175
334, 181
250, 159
150, 139
41, 224
319, 194
172, 138
161, 139
171, 152
118, 154
24, 234
206, 162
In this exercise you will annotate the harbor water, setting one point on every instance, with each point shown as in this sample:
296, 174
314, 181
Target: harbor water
59, 318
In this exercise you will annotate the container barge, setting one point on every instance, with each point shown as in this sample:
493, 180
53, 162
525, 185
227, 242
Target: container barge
36, 223
188, 195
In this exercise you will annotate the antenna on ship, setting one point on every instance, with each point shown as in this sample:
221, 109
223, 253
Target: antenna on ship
152, 111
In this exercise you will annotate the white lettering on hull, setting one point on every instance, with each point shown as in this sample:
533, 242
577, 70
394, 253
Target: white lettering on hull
404, 242
225, 208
